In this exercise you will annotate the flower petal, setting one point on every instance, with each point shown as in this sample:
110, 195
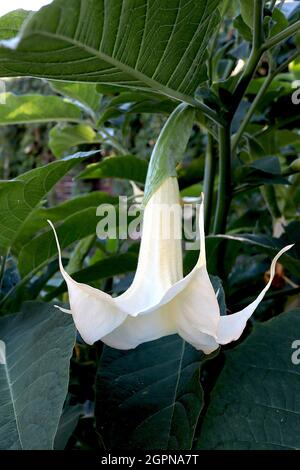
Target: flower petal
94, 312
137, 330
232, 326
197, 308
200, 341
160, 256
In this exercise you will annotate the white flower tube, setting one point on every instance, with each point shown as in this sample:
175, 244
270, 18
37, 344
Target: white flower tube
160, 300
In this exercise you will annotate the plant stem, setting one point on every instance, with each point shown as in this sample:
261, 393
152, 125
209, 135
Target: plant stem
258, 25
259, 96
255, 56
278, 38
209, 178
208, 112
224, 190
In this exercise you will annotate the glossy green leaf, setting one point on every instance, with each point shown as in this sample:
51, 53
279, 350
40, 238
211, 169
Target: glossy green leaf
275, 140
247, 11
135, 102
279, 21
256, 401
265, 170
83, 93
124, 167
11, 23
27, 109
37, 252
145, 44
19, 197
67, 425
295, 68
37, 220
66, 137
35, 350
149, 397
115, 265
243, 28
268, 245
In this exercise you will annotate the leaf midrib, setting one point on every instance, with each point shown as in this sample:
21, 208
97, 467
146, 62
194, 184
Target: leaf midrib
174, 400
13, 401
176, 388
121, 66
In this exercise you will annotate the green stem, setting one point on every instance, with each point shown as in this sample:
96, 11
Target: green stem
278, 38
255, 56
251, 111
259, 96
224, 190
209, 178
208, 112
258, 25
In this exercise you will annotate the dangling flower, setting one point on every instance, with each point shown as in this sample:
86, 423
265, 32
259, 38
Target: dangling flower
160, 300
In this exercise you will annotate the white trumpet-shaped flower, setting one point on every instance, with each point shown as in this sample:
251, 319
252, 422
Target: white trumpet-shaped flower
160, 300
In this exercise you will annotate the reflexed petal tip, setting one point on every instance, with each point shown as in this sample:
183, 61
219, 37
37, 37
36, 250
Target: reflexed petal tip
64, 310
94, 312
232, 326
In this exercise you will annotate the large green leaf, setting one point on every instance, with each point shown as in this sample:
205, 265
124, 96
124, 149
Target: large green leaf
256, 401
265, 170
247, 11
142, 43
136, 102
35, 350
64, 137
113, 266
124, 167
19, 197
149, 397
11, 23
67, 425
37, 220
83, 93
265, 244
26, 109
37, 252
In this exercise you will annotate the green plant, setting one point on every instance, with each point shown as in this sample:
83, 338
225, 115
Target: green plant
115, 71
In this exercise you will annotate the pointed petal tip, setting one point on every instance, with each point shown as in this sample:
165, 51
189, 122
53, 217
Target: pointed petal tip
288, 247
64, 310
283, 250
